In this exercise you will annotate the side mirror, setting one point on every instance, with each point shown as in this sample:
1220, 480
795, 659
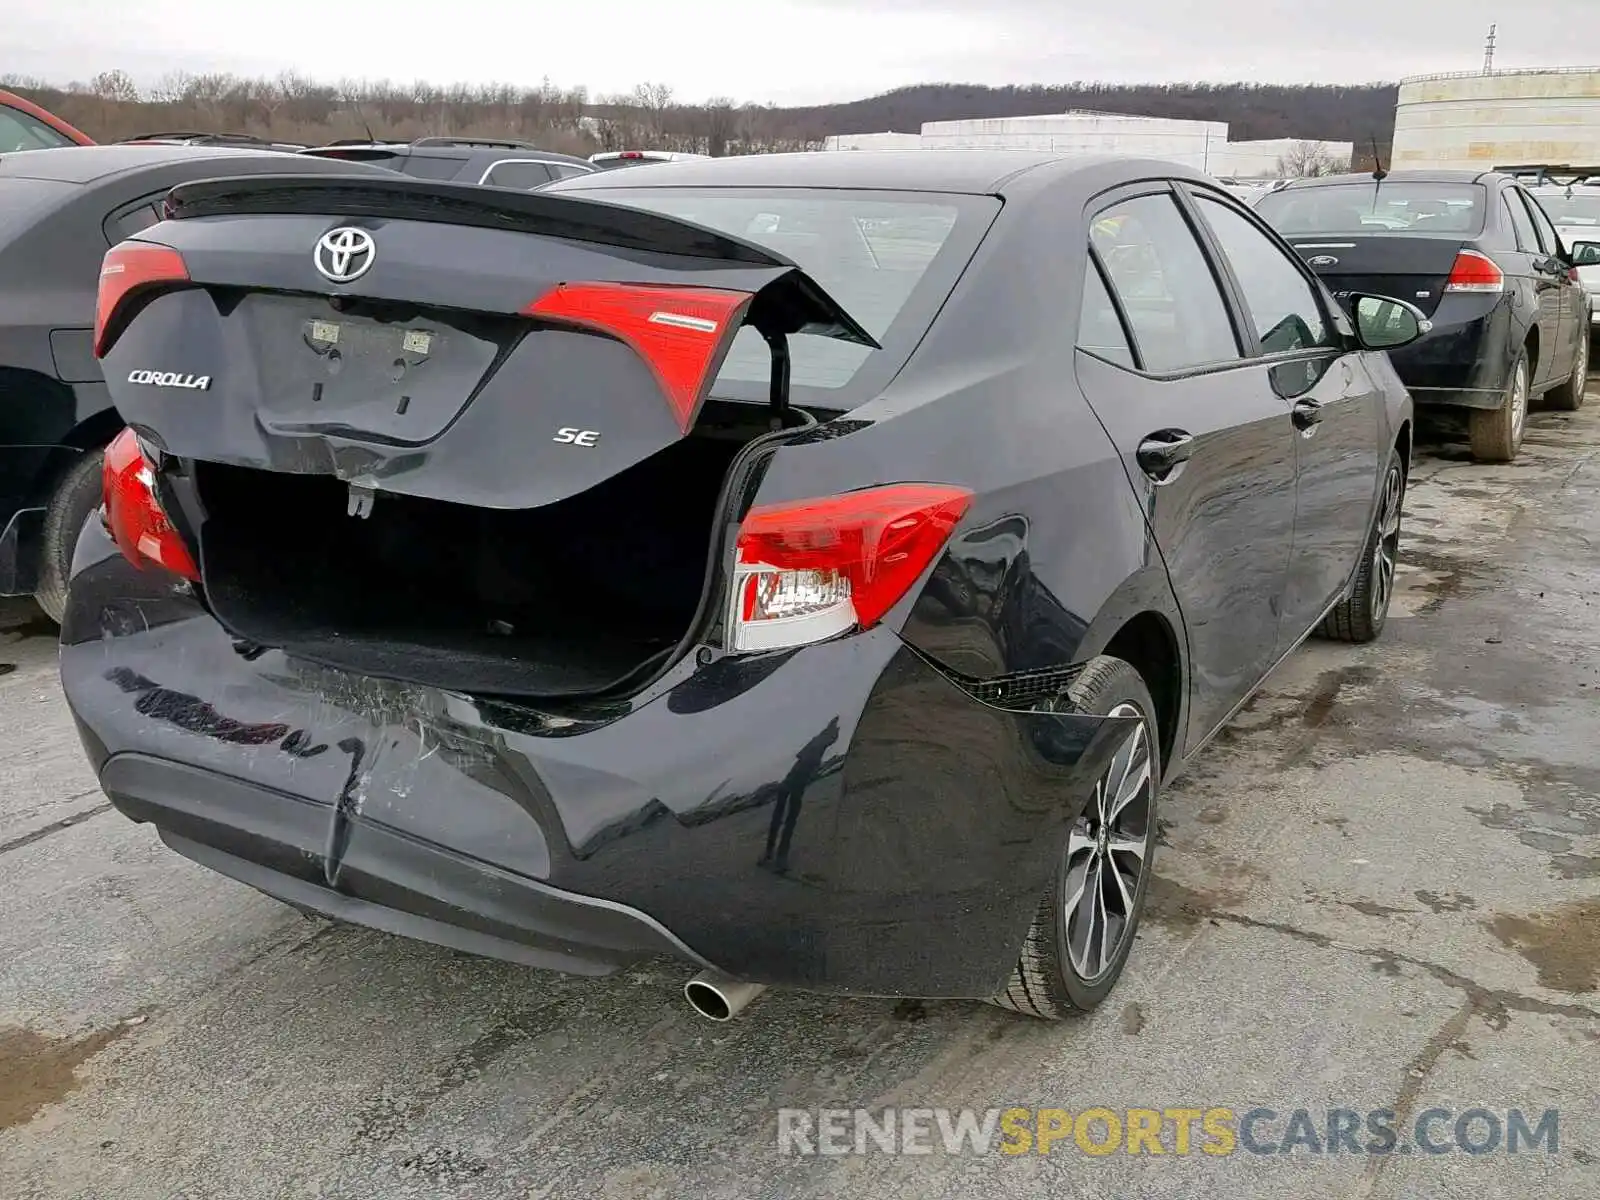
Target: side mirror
1586, 254
1384, 323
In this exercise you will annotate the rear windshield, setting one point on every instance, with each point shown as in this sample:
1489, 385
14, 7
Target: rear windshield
889, 258
24, 200
1577, 209
1455, 209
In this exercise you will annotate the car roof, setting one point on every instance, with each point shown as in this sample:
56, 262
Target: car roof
980, 172
88, 164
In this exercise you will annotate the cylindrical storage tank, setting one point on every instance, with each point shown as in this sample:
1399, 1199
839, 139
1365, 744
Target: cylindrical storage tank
873, 141
1192, 143
1477, 121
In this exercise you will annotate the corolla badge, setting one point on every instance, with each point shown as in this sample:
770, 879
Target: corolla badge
1323, 260
170, 379
344, 254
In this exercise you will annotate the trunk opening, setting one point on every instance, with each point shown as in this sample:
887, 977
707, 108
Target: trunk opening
564, 600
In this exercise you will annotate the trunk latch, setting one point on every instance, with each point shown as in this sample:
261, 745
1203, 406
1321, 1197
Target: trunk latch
361, 500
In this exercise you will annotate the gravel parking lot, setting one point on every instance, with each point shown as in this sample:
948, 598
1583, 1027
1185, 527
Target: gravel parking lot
1380, 889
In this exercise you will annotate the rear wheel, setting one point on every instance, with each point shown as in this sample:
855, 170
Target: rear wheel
1496, 434
1083, 932
1569, 396
76, 495
1361, 615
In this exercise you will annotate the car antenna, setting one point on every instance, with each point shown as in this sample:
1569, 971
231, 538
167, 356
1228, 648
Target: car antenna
1378, 173
366, 126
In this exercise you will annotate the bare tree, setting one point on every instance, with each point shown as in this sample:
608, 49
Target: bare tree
721, 123
654, 99
1305, 160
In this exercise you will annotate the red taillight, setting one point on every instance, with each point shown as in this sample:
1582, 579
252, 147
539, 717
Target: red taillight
126, 269
631, 154
133, 516
682, 332
811, 569
1474, 272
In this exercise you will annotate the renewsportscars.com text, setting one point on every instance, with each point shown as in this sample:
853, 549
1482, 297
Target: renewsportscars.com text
1176, 1131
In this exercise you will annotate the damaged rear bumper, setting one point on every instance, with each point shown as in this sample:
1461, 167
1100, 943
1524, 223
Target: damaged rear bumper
842, 818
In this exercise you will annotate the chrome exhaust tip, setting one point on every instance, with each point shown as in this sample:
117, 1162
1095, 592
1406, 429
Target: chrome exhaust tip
718, 997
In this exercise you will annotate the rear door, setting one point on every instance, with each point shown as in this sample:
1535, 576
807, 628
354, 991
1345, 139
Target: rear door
1337, 410
1547, 272
1204, 437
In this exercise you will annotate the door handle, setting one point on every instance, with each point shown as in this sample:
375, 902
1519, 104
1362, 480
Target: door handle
1162, 453
1306, 415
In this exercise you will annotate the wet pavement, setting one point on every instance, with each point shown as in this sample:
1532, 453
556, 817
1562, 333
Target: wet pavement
1379, 890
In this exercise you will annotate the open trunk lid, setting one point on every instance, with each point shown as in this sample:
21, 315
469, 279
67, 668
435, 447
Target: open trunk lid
1412, 267
504, 350
440, 434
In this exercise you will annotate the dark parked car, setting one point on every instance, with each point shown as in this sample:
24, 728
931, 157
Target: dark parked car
60, 210
182, 137
26, 126
509, 164
588, 580
1481, 259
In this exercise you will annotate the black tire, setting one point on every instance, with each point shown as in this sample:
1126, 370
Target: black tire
76, 495
1496, 434
1569, 396
1047, 982
1361, 616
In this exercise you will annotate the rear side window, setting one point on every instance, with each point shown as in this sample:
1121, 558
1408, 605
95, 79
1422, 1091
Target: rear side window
1165, 285
1521, 222
1283, 305
888, 258
1547, 232
427, 166
19, 131
513, 174
1100, 330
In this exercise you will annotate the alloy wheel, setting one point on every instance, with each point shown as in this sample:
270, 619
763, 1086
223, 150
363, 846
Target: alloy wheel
1386, 546
1106, 853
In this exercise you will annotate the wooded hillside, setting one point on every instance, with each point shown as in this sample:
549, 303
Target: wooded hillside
110, 106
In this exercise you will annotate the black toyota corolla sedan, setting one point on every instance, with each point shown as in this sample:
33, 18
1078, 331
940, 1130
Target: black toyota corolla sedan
1479, 257
810, 567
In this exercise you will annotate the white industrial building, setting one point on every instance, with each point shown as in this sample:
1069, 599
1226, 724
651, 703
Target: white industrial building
874, 141
1200, 144
1481, 120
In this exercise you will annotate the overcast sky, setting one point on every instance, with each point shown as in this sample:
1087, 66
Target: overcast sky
791, 51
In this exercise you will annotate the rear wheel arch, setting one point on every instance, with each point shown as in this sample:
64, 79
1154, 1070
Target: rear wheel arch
1141, 624
95, 431
1402, 445
1148, 643
1531, 345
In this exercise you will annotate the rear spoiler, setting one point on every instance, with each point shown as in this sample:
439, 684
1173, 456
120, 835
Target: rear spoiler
792, 302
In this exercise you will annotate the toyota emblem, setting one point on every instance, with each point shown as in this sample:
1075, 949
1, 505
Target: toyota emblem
344, 254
